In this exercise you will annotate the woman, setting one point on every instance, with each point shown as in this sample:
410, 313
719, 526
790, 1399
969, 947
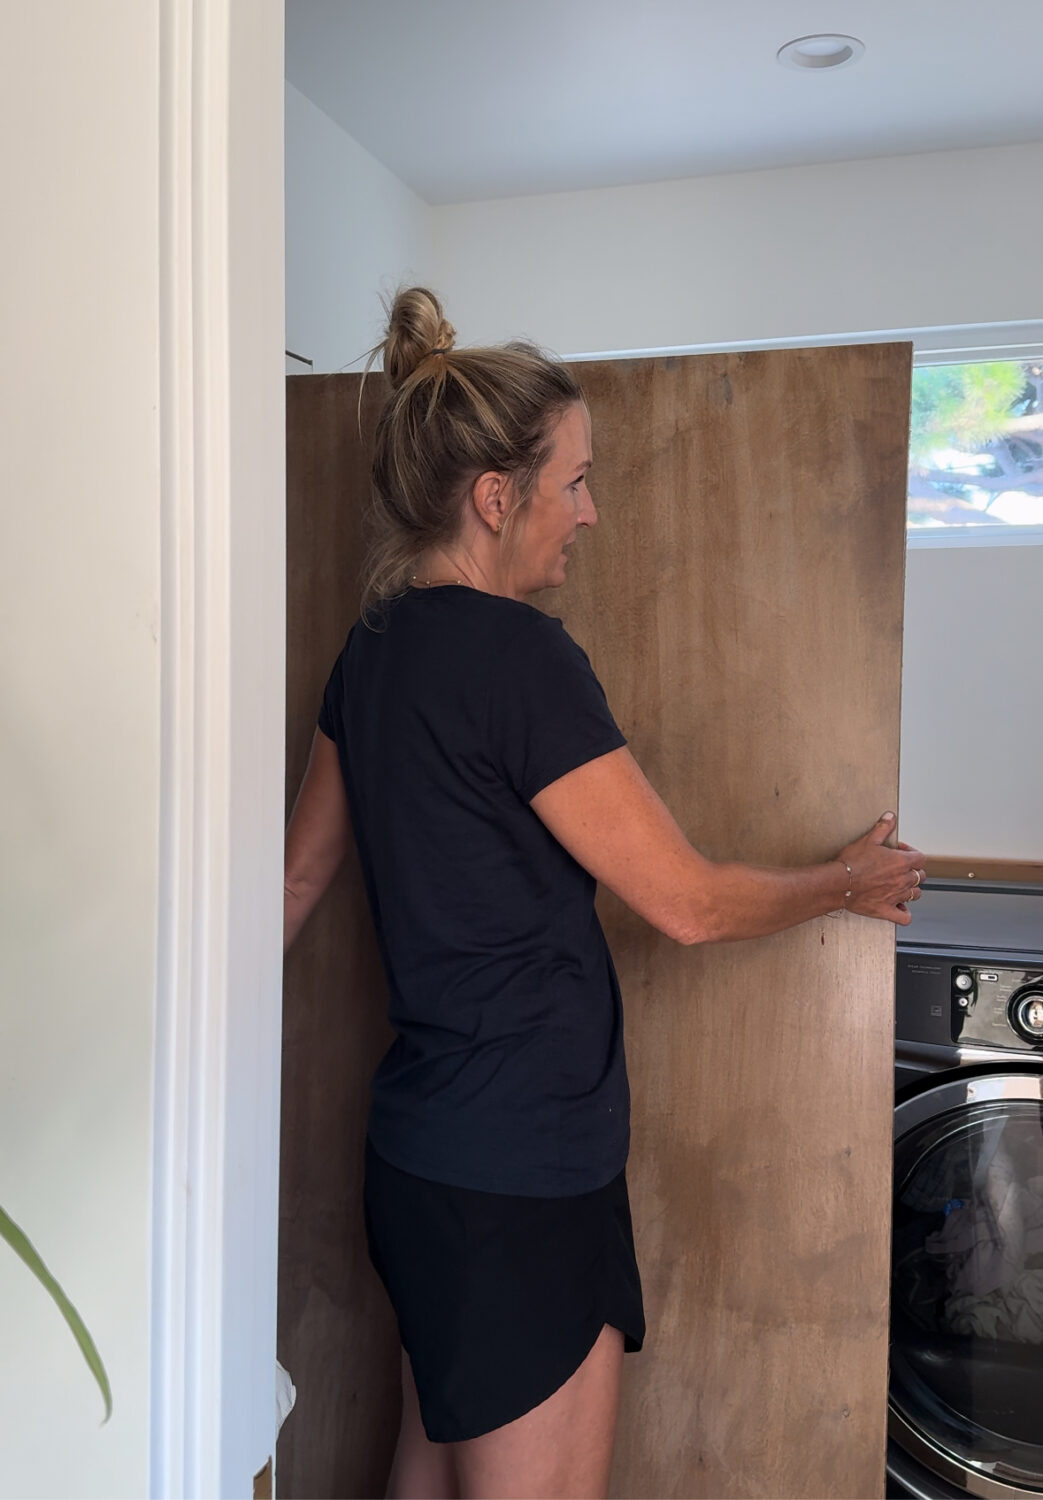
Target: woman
466, 742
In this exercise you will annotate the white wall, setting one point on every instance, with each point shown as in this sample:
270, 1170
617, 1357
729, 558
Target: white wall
802, 252
972, 720
353, 231
79, 601
895, 242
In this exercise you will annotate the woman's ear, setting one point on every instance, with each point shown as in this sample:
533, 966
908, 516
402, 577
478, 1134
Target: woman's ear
491, 496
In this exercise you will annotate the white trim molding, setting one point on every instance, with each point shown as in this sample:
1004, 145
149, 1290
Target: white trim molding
218, 1019
190, 1053
926, 538
961, 343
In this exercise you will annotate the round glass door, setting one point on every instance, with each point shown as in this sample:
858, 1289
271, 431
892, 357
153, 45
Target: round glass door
967, 1278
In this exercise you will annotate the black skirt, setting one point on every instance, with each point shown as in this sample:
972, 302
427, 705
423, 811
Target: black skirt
499, 1298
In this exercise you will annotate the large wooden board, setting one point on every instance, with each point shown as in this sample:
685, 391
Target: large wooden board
337, 1335
741, 600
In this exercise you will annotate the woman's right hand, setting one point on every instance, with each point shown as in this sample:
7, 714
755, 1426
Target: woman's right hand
883, 880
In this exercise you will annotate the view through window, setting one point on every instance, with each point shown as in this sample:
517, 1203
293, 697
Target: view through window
976, 446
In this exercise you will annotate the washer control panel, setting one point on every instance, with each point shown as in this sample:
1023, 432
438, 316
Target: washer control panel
969, 999
996, 1006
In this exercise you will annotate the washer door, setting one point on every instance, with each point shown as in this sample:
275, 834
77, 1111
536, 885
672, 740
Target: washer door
966, 1397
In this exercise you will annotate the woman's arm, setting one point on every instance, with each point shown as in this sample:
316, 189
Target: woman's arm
317, 837
609, 819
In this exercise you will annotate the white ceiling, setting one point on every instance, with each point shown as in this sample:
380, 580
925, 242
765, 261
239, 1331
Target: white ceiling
471, 99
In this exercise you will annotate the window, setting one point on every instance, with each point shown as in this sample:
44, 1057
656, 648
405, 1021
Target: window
976, 452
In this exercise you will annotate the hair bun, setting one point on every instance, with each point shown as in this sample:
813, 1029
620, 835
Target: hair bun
416, 326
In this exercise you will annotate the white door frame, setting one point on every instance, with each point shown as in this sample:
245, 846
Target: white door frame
218, 1005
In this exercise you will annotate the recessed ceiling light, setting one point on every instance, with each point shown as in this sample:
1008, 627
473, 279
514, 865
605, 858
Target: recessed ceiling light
811, 52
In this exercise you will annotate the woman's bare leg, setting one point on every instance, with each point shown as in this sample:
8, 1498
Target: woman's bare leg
560, 1449
421, 1470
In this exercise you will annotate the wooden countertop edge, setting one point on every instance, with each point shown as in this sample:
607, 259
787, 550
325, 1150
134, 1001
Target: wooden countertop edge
971, 867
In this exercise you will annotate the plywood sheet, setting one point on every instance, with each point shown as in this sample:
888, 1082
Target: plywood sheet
337, 1335
741, 600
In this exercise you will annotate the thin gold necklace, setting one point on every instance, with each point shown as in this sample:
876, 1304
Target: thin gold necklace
433, 583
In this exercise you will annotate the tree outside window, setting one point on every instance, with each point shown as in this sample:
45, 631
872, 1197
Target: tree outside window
976, 445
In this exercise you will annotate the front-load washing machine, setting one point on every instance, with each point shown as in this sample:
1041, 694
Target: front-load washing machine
966, 1388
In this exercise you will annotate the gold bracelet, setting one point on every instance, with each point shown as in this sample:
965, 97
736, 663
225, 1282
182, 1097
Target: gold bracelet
841, 909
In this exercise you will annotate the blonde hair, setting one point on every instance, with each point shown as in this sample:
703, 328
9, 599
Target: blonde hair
453, 414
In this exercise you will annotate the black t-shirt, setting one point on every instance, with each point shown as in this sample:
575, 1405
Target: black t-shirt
507, 1072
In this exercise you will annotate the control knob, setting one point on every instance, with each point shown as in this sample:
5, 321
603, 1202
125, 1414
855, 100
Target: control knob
1026, 1013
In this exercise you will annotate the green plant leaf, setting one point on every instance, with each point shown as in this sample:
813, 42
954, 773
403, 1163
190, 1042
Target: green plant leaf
22, 1247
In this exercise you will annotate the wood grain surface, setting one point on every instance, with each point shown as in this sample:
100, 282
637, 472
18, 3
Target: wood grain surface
741, 600
337, 1334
